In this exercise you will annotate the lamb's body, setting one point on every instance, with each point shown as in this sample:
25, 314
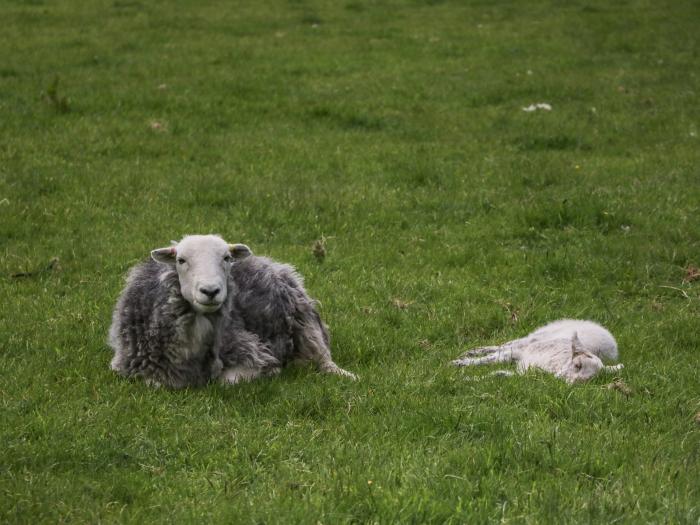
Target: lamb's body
570, 349
195, 316
594, 338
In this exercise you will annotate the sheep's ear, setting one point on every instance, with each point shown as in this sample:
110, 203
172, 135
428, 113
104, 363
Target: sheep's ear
239, 251
576, 346
164, 255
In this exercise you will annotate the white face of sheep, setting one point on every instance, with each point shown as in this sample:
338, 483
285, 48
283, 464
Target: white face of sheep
584, 365
203, 263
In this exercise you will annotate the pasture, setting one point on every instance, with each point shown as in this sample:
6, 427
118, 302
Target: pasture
382, 148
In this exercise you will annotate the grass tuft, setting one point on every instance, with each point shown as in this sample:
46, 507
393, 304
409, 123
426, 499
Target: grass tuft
57, 101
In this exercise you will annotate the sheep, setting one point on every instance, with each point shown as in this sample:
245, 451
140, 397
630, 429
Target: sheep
570, 349
178, 322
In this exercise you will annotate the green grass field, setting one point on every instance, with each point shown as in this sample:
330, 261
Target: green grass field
394, 131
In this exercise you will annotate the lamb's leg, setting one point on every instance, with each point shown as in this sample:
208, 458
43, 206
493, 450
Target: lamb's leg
312, 342
499, 356
515, 344
497, 373
482, 350
613, 368
502, 373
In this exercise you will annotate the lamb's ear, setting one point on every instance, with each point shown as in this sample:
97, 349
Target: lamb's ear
576, 346
164, 255
239, 251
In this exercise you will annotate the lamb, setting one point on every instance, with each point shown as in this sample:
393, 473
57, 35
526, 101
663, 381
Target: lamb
178, 322
570, 349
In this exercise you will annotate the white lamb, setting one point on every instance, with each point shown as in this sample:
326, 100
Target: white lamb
570, 349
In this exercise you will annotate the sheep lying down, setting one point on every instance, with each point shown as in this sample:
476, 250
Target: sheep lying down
204, 310
572, 350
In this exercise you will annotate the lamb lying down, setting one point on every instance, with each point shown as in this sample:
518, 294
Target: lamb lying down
569, 349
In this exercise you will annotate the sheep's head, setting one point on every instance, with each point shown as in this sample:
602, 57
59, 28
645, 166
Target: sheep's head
203, 263
584, 365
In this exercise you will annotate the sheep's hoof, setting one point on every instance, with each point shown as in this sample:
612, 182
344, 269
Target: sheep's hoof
332, 368
153, 383
240, 374
346, 373
115, 364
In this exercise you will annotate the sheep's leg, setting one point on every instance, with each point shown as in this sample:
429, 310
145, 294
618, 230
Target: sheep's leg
329, 367
242, 373
115, 364
499, 356
238, 374
312, 343
244, 358
216, 366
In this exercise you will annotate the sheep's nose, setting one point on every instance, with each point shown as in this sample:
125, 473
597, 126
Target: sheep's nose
209, 292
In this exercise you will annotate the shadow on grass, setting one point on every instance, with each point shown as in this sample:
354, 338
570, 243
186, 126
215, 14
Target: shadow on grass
551, 143
347, 120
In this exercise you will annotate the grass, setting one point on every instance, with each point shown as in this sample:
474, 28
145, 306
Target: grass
392, 133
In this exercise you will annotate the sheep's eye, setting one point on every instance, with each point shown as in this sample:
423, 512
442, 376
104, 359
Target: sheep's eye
227, 258
578, 366
180, 260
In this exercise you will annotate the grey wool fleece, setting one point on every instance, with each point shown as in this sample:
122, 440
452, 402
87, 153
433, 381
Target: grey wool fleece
267, 320
158, 336
271, 299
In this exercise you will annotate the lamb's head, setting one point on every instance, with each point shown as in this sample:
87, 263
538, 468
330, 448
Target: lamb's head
584, 365
203, 263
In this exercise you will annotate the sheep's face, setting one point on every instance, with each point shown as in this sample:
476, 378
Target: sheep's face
203, 263
584, 365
